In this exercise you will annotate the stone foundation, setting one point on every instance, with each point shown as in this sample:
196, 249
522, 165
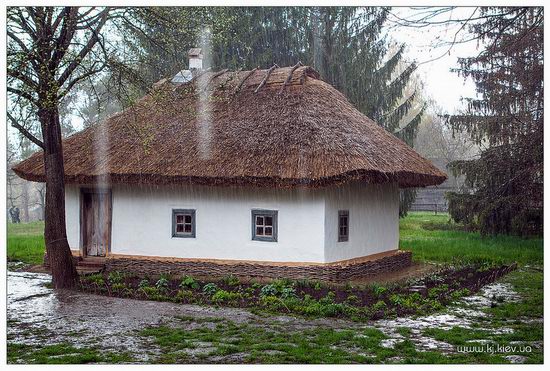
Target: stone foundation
333, 272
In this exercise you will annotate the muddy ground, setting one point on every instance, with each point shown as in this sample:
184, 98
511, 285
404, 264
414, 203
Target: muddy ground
38, 316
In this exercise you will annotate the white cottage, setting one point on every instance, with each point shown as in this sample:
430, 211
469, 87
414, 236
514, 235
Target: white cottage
256, 173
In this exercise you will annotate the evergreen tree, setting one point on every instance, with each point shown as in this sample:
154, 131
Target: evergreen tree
507, 121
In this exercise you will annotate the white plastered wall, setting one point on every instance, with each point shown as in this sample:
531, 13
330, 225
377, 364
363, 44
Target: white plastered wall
141, 223
373, 220
72, 215
307, 222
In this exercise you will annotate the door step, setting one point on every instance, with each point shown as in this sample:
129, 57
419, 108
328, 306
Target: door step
91, 264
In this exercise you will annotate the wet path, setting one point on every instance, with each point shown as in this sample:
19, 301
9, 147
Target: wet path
38, 315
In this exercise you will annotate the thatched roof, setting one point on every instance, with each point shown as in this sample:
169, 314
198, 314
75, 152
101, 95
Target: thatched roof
225, 128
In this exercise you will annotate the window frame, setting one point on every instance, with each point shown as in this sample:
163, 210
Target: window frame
343, 237
269, 213
192, 213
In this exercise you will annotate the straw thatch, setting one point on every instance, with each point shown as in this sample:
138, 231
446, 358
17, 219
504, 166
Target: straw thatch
240, 128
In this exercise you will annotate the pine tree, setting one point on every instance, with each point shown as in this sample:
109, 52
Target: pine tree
507, 120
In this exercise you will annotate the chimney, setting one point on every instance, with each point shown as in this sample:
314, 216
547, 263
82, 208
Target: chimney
195, 58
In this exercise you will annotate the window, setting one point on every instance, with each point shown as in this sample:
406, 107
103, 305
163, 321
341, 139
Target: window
343, 225
183, 223
264, 225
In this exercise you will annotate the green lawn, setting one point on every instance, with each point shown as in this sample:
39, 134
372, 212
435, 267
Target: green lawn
26, 242
433, 238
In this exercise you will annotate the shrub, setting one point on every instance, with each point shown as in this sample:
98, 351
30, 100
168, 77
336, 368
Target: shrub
210, 289
188, 282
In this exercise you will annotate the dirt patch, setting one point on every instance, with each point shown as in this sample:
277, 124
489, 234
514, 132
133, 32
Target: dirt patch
312, 298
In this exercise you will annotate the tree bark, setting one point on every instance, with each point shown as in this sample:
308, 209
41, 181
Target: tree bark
58, 252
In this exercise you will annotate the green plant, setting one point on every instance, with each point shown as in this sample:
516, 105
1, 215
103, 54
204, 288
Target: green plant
436, 291
144, 283
96, 278
288, 292
189, 282
115, 277
457, 294
378, 290
222, 296
210, 289
380, 305
352, 300
162, 284
412, 301
396, 299
231, 280
150, 292
117, 287
184, 295
268, 290
328, 299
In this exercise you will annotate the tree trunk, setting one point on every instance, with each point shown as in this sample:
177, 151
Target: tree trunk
58, 252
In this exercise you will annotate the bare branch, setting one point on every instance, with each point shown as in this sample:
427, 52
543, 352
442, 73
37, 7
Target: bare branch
68, 29
85, 50
25, 79
23, 94
24, 131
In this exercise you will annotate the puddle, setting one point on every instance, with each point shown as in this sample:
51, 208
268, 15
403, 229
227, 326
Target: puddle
493, 293
456, 316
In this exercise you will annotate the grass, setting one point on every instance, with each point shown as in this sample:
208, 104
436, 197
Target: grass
62, 353
522, 317
26, 242
433, 238
230, 342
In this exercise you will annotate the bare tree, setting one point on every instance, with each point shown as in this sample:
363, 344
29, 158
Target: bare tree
49, 51
437, 139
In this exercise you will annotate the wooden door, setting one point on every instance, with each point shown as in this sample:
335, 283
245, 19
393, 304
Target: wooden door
96, 222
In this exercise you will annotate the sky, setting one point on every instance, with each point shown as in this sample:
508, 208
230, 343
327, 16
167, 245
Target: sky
435, 57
